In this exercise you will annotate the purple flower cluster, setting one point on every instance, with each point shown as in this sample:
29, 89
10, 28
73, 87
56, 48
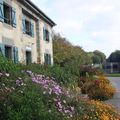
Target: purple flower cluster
19, 82
47, 84
50, 87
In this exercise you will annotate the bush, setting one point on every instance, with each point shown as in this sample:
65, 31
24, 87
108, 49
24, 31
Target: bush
99, 88
28, 96
95, 110
94, 83
27, 99
62, 75
7, 65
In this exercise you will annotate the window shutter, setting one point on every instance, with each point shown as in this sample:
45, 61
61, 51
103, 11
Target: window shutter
45, 59
49, 59
1, 11
2, 49
23, 25
15, 57
13, 17
48, 36
32, 29
44, 34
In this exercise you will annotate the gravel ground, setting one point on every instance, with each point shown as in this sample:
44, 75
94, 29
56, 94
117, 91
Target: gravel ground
116, 99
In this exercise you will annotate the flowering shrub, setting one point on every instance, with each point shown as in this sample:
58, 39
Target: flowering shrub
95, 84
31, 96
99, 88
50, 87
95, 110
62, 75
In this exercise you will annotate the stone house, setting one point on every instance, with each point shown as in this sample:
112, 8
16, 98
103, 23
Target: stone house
25, 32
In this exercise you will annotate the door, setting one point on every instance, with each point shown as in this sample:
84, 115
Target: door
28, 57
8, 52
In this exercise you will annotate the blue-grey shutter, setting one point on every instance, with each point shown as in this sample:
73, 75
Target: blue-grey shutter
2, 49
48, 36
23, 25
1, 11
16, 59
45, 58
44, 34
49, 59
32, 29
13, 17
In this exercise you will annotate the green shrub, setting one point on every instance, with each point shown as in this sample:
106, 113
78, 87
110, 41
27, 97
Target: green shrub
62, 75
25, 102
7, 65
29, 102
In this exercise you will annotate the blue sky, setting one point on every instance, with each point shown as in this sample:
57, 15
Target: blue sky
91, 24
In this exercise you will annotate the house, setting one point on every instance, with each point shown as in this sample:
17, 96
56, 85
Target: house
25, 32
111, 67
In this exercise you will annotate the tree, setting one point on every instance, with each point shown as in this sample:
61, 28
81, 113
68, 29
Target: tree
100, 54
114, 56
64, 51
68, 55
97, 57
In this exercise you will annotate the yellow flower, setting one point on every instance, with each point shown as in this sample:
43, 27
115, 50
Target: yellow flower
105, 117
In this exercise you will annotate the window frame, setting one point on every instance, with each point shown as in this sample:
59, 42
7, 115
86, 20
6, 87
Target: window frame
28, 27
30, 30
10, 13
8, 17
46, 35
47, 59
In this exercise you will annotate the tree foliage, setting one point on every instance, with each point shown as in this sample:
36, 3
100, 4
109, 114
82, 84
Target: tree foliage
65, 52
68, 55
97, 57
114, 57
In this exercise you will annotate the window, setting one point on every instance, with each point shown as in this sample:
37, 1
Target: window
28, 27
7, 14
47, 58
46, 35
9, 52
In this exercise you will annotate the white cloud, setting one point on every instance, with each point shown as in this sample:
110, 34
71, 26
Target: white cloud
93, 24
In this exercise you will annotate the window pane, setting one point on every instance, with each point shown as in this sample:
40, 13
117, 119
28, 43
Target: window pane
7, 14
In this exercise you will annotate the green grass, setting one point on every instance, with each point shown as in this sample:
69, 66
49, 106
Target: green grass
114, 75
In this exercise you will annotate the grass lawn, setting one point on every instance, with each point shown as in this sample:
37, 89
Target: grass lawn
114, 75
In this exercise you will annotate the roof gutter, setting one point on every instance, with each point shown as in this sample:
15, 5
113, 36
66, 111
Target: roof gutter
39, 12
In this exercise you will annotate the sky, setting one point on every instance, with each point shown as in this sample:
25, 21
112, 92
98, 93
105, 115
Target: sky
91, 24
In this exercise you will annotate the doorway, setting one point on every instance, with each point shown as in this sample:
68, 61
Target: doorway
8, 52
28, 57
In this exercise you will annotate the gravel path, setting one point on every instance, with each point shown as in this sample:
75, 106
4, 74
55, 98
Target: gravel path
116, 99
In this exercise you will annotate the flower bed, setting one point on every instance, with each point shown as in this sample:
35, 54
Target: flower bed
35, 96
